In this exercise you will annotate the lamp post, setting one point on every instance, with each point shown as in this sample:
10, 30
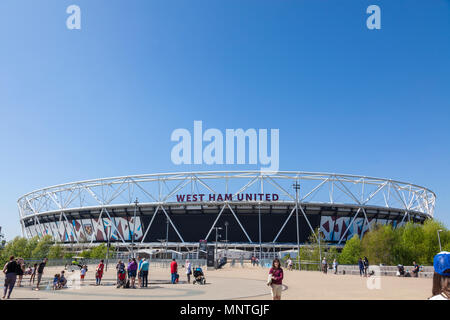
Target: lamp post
162, 246
136, 202
320, 251
107, 247
217, 236
296, 187
167, 234
439, 238
259, 229
226, 236
1, 238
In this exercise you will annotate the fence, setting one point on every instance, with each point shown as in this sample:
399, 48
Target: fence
161, 263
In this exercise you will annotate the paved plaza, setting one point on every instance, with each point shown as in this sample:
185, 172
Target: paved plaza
230, 283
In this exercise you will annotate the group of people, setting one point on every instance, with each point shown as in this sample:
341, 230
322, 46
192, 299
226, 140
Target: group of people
15, 269
139, 268
59, 281
255, 261
325, 266
132, 270
363, 265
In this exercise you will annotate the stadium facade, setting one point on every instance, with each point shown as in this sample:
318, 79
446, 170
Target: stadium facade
252, 208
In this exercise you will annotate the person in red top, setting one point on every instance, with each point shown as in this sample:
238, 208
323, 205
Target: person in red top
173, 271
277, 279
99, 273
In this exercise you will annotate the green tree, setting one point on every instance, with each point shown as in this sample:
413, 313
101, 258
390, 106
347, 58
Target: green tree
42, 248
68, 255
86, 253
378, 245
351, 251
431, 242
310, 252
56, 252
30, 246
99, 252
16, 248
410, 245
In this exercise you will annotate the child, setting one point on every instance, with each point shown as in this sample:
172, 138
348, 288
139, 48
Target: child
62, 280
56, 282
33, 273
83, 273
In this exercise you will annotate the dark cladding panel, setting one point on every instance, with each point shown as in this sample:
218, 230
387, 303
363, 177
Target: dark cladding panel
195, 226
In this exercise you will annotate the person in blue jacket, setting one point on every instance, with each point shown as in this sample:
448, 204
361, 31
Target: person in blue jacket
361, 267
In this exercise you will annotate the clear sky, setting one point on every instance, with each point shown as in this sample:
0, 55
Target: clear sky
103, 101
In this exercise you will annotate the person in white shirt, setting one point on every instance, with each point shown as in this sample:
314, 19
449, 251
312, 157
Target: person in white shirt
83, 273
335, 265
188, 270
289, 263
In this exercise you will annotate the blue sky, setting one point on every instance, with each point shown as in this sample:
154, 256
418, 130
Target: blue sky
102, 101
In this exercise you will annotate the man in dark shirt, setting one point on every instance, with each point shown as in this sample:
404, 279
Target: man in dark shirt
40, 271
366, 266
415, 270
10, 270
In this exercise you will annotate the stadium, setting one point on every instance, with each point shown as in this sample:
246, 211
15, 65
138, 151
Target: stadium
240, 209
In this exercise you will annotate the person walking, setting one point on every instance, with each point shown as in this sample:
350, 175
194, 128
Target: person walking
188, 271
324, 265
132, 271
361, 267
366, 266
10, 270
173, 271
99, 273
33, 273
143, 270
441, 276
20, 271
40, 272
335, 266
276, 279
289, 264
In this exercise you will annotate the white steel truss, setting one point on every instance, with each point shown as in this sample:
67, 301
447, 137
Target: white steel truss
161, 190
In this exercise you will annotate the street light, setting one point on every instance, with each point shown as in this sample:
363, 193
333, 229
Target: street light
167, 233
259, 227
296, 187
320, 251
226, 237
134, 226
217, 236
439, 238
107, 248
163, 241
1, 237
